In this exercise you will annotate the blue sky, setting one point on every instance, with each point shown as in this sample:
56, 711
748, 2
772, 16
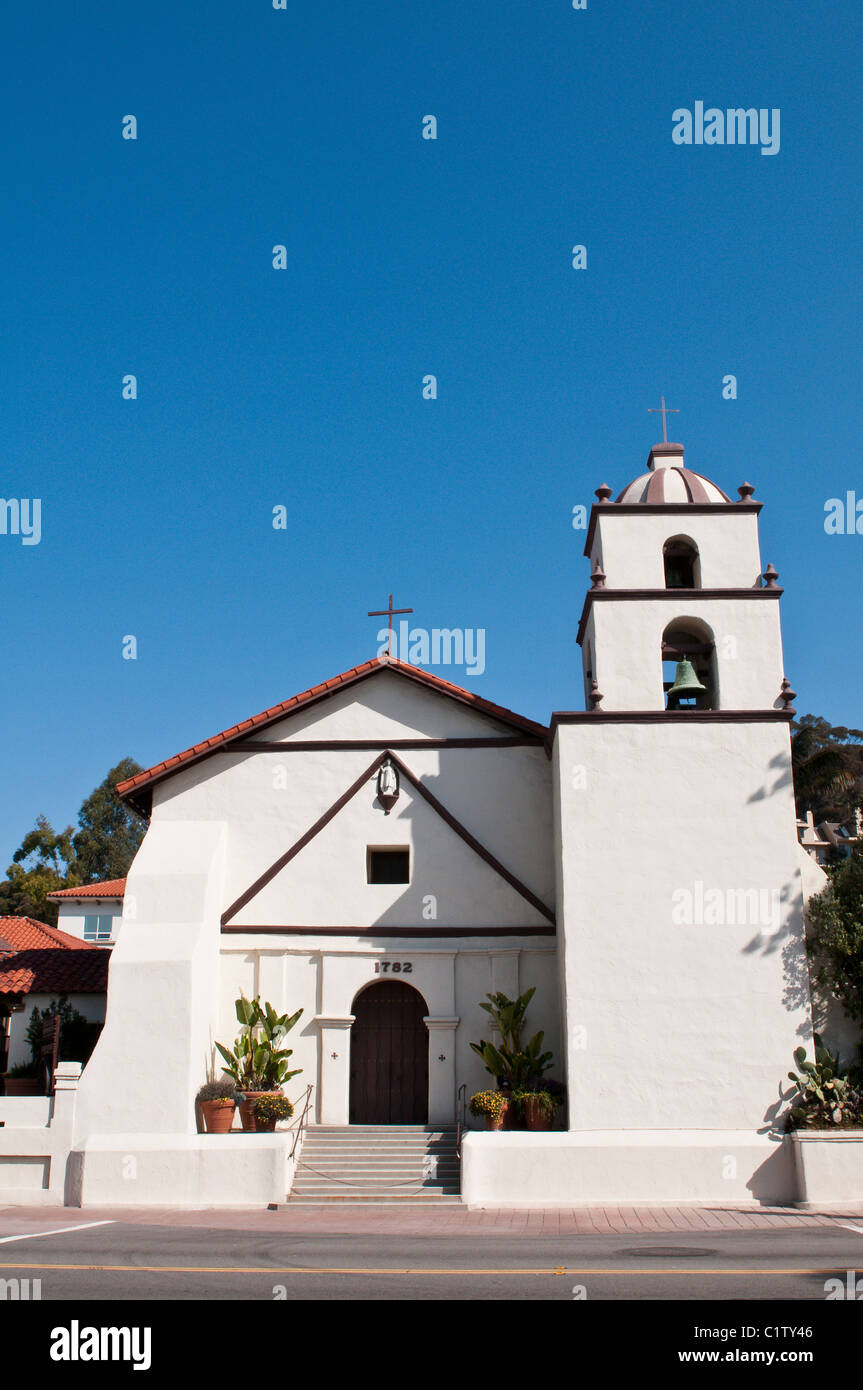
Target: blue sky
303, 388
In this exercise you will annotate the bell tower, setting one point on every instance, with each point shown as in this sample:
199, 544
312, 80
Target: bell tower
679, 893
676, 575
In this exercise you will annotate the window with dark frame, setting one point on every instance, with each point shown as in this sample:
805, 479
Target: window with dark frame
388, 865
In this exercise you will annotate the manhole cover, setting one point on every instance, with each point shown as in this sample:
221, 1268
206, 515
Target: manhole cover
661, 1252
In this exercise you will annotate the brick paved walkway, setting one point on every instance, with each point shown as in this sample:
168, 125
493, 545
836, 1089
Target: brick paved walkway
362, 1219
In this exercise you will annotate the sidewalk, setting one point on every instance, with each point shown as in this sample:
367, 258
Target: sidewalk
363, 1219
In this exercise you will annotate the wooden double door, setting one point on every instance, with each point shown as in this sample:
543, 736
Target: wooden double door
389, 1056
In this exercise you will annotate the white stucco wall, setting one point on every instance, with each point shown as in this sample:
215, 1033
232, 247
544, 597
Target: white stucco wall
673, 1026
218, 825
323, 977
629, 548
626, 638
162, 989
268, 800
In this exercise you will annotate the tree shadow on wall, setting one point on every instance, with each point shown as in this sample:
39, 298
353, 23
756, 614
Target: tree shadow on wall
782, 764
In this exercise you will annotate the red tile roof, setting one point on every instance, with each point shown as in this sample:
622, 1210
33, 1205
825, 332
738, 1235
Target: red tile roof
108, 888
26, 934
81, 971
138, 789
38, 959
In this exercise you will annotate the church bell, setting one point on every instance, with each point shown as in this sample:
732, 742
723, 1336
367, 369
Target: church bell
686, 684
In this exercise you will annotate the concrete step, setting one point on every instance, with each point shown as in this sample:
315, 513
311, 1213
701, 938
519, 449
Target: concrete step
304, 1182
375, 1190
378, 1164
331, 1155
369, 1175
384, 1165
410, 1146
386, 1133
383, 1131
351, 1137
380, 1201
378, 1151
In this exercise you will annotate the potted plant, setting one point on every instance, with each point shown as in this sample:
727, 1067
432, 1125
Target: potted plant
825, 1093
557, 1091
269, 1108
257, 1063
536, 1108
491, 1104
514, 1065
826, 1126
22, 1080
217, 1100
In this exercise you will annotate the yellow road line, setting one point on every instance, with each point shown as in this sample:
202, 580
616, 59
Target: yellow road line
299, 1269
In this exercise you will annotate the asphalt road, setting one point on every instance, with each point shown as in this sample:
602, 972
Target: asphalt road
124, 1261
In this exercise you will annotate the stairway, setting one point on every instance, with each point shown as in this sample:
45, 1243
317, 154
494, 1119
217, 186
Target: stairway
378, 1164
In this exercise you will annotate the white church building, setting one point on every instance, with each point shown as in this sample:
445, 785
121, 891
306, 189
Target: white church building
386, 849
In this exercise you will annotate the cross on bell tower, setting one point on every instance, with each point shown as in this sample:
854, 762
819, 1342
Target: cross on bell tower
663, 410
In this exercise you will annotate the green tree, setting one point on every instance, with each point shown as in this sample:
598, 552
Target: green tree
40, 866
836, 935
827, 764
110, 831
103, 847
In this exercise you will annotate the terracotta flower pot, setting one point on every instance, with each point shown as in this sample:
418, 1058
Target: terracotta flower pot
536, 1118
247, 1111
218, 1115
506, 1118
22, 1086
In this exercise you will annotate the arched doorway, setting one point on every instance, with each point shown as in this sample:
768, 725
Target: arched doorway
389, 1056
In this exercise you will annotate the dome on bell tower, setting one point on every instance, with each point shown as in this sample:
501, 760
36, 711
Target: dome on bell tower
668, 480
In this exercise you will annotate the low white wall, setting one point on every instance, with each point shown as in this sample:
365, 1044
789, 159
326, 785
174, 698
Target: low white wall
25, 1112
38, 1164
636, 1168
829, 1167
35, 1140
182, 1170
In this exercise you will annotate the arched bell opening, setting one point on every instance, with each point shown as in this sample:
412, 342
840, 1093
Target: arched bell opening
682, 563
689, 672
587, 662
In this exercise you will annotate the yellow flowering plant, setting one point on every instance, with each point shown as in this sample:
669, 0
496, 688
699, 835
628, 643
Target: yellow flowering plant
489, 1103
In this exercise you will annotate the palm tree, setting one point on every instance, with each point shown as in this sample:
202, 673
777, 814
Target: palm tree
823, 774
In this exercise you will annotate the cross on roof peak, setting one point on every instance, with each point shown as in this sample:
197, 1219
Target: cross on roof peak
388, 613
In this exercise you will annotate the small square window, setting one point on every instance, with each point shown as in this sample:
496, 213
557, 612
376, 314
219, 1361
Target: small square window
388, 865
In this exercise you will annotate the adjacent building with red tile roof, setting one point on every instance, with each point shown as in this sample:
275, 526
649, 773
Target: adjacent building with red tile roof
107, 888
26, 934
46, 971
91, 912
39, 963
